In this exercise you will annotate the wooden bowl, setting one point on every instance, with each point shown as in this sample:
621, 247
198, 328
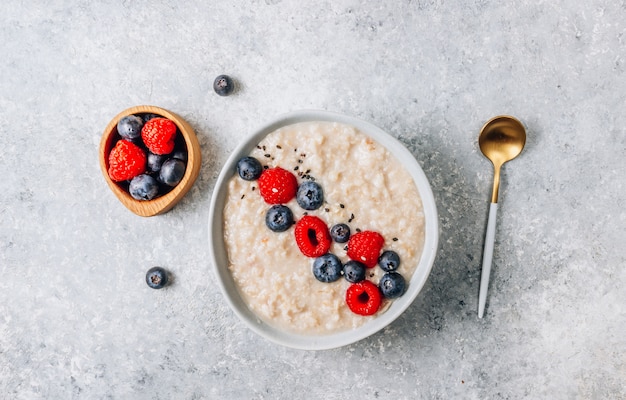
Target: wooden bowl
162, 204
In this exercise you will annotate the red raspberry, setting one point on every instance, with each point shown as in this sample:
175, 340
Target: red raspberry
365, 247
277, 185
158, 135
126, 161
363, 298
312, 236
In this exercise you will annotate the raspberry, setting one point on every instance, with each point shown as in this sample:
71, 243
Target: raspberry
365, 247
363, 298
158, 135
126, 161
277, 186
312, 236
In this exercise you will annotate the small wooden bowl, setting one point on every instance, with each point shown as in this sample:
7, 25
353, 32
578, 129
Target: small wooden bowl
162, 204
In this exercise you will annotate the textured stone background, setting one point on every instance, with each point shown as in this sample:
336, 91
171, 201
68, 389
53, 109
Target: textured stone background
77, 320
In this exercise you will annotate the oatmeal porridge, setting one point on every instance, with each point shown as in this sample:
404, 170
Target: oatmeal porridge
364, 186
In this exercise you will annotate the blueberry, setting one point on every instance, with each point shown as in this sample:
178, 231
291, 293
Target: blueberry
180, 155
327, 268
155, 161
392, 285
172, 171
148, 116
249, 168
389, 260
129, 127
354, 271
143, 187
340, 233
279, 218
156, 277
310, 195
223, 85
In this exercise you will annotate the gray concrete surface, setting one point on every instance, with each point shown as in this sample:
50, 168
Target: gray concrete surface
77, 320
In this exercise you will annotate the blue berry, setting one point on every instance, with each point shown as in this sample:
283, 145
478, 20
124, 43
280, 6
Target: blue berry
147, 117
354, 271
392, 285
172, 172
310, 195
340, 233
327, 268
154, 161
129, 127
143, 187
157, 277
279, 218
249, 168
389, 260
180, 155
223, 85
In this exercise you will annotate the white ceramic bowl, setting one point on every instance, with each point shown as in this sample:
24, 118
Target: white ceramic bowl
219, 256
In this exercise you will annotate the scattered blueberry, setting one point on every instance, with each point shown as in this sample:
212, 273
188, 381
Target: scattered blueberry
143, 187
129, 127
310, 195
327, 268
389, 260
249, 168
354, 271
279, 218
156, 277
155, 161
340, 233
392, 285
223, 85
172, 172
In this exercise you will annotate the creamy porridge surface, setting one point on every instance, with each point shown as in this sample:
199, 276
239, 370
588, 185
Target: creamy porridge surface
364, 186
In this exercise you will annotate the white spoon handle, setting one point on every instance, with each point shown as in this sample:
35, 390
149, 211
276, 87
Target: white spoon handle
487, 257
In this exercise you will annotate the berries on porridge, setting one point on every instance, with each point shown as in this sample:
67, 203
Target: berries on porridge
343, 214
389, 260
327, 268
365, 247
277, 185
340, 233
363, 298
279, 218
312, 236
249, 168
310, 195
392, 285
354, 271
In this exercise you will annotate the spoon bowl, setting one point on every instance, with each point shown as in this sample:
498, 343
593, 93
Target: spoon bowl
501, 139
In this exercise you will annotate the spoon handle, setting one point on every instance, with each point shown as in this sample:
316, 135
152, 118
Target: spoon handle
487, 257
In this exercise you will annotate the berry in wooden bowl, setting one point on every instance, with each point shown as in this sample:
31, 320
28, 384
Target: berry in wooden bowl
150, 157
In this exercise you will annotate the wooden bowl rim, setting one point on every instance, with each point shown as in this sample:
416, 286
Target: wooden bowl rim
162, 204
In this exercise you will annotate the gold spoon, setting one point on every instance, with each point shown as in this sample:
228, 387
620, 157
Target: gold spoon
501, 139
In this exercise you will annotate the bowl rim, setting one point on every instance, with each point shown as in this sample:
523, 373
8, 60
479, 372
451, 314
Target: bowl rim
163, 203
219, 257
